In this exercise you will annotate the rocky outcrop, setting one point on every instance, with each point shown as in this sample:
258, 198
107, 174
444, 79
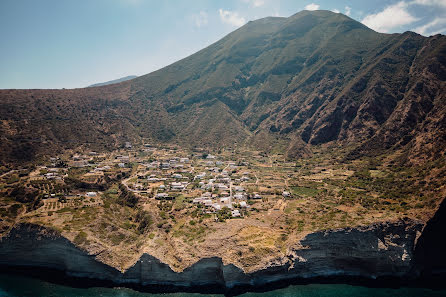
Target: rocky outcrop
378, 250
29, 245
430, 256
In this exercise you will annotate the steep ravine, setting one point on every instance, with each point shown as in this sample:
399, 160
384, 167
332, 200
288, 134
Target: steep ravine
369, 252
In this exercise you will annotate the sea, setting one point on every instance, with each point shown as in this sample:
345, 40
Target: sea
23, 286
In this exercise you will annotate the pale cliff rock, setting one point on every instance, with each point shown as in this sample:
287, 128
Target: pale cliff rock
384, 249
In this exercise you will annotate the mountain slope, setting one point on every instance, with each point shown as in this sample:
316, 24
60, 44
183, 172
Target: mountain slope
313, 78
115, 81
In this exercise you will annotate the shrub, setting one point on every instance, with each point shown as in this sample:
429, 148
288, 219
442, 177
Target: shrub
126, 197
80, 238
145, 221
13, 179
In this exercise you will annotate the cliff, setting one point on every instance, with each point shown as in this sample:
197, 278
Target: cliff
430, 256
369, 252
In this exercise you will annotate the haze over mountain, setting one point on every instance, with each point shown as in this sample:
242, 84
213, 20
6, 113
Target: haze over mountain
115, 81
314, 78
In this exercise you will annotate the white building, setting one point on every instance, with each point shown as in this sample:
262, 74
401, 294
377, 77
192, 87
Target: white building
198, 200
239, 189
200, 176
161, 196
240, 197
235, 213
207, 202
175, 186
123, 158
224, 200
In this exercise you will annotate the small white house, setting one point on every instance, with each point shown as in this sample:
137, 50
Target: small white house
239, 197
239, 189
207, 202
224, 200
200, 176
198, 200
286, 194
235, 213
176, 186
222, 187
161, 196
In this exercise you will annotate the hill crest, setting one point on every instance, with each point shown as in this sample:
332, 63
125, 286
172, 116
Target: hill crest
115, 81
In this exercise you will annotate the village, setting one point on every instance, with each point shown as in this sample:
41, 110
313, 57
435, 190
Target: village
212, 184
169, 200
187, 190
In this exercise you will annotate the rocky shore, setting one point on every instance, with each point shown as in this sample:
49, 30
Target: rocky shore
378, 251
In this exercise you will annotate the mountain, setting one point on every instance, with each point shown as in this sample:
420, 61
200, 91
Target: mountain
314, 78
115, 81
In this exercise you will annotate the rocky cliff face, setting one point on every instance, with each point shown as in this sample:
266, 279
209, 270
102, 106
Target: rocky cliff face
430, 256
378, 250
373, 251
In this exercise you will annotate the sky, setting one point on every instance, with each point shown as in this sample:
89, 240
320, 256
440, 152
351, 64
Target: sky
72, 44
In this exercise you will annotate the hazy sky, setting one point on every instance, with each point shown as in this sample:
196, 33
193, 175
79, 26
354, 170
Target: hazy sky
70, 44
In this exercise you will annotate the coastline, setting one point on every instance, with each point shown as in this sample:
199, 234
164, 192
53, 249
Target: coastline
54, 276
388, 254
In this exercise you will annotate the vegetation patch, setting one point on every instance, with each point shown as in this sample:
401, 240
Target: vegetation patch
81, 238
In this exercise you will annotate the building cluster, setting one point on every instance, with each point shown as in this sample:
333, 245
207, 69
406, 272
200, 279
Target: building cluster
211, 184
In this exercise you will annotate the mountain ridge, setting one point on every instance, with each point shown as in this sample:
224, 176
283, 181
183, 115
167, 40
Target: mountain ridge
114, 81
314, 78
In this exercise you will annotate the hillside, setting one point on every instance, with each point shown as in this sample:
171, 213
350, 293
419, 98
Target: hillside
304, 148
277, 83
115, 81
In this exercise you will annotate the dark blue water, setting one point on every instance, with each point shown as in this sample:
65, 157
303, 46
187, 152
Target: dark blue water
19, 286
